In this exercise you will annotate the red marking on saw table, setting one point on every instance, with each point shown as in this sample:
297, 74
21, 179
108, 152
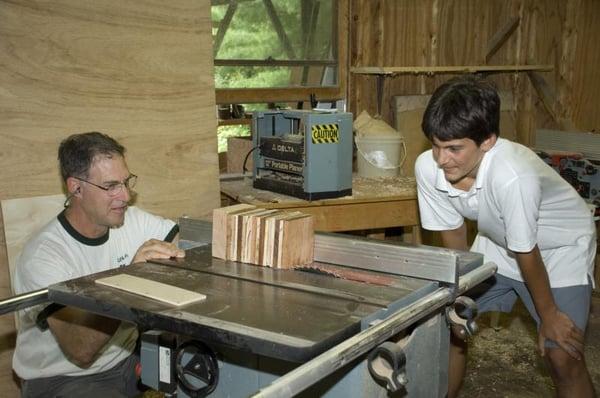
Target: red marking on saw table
349, 274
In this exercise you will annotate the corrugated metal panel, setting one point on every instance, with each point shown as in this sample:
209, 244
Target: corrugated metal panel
586, 143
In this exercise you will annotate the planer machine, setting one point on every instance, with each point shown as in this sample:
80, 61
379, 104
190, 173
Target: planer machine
306, 154
366, 319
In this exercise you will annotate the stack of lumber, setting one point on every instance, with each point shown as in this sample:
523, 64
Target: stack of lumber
271, 238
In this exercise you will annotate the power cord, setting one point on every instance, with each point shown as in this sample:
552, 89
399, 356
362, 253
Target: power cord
244, 170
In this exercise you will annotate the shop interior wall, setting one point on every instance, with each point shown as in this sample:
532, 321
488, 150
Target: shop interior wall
140, 71
561, 33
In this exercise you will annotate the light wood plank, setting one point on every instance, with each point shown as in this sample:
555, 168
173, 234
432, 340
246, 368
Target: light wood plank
501, 37
295, 241
261, 221
271, 239
221, 234
252, 238
235, 225
24, 217
155, 290
253, 95
392, 70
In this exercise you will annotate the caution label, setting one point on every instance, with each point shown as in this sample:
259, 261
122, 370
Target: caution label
325, 134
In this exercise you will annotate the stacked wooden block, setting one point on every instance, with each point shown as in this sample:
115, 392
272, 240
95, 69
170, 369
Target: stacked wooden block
271, 238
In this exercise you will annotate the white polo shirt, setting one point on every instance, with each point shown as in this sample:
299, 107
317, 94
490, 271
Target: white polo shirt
518, 201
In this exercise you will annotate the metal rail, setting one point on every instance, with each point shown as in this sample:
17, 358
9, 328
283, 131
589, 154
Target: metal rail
406, 260
311, 372
24, 300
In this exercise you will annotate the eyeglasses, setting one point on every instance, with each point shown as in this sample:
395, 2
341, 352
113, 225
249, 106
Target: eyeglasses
113, 189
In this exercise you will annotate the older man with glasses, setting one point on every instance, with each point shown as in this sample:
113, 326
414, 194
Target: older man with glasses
83, 354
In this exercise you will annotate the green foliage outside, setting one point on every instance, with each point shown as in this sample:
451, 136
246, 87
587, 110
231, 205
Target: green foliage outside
251, 35
225, 132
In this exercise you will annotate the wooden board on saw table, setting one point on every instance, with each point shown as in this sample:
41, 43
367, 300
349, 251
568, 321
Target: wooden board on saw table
155, 290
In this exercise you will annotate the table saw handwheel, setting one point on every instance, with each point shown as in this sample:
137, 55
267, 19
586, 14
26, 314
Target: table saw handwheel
387, 364
461, 317
197, 369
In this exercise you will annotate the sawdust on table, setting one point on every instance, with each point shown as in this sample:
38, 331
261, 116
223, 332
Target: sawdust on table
376, 187
383, 186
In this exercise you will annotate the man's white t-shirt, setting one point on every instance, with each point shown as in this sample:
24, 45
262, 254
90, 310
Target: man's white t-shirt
58, 253
518, 201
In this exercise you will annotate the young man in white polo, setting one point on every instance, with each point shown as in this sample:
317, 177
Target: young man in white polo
530, 222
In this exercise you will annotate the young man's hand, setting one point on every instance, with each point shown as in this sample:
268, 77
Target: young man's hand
156, 249
559, 328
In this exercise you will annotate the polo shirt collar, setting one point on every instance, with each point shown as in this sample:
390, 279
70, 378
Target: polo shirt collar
443, 185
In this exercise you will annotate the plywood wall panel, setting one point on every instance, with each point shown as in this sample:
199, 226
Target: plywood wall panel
365, 27
140, 71
586, 77
415, 41
409, 21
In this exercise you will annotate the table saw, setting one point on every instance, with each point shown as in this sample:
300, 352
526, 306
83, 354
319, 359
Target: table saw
365, 319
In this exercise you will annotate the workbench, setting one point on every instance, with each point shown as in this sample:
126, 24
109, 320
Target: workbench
381, 202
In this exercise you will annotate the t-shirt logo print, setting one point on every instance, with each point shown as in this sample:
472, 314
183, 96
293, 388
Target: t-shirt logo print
121, 260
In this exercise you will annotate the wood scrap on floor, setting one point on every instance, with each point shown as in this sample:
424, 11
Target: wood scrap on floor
264, 237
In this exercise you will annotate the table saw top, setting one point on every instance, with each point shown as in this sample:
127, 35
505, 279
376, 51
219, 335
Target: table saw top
287, 314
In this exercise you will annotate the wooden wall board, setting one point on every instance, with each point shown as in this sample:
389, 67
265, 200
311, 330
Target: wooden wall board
237, 150
586, 78
152, 289
436, 33
22, 218
139, 71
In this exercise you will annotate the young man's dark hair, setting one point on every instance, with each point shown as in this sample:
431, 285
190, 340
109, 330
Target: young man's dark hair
463, 107
77, 152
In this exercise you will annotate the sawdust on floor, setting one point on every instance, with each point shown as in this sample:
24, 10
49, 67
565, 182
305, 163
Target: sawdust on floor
503, 361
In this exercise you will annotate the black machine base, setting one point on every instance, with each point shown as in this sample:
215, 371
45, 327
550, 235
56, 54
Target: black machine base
291, 189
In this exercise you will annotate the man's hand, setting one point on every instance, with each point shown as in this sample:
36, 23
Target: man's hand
155, 249
554, 324
559, 328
